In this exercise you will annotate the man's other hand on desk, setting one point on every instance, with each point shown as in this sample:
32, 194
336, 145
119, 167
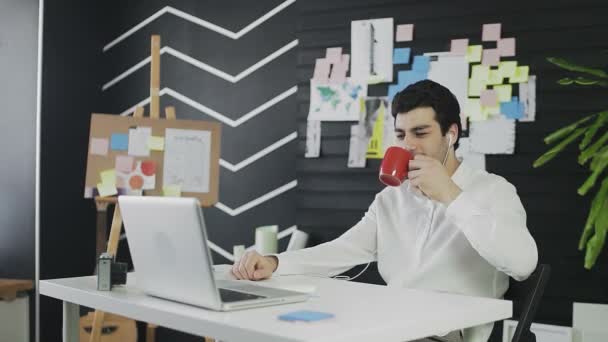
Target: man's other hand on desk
254, 266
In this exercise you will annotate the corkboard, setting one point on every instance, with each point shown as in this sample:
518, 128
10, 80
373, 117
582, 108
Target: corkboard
104, 125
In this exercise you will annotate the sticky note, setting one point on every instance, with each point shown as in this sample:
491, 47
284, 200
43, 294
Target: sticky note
305, 315
172, 190
333, 54
489, 98
476, 86
520, 75
473, 110
321, 73
507, 68
124, 164
401, 56
138, 141
156, 143
119, 142
494, 77
459, 47
108, 177
98, 146
346, 60
338, 73
473, 54
421, 63
393, 89
503, 92
490, 111
407, 77
106, 190
480, 72
512, 109
506, 47
490, 57
404, 33
490, 32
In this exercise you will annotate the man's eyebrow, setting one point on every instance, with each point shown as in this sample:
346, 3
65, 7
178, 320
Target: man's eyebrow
419, 128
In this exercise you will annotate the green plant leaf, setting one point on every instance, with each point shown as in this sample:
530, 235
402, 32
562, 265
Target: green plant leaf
596, 243
585, 81
564, 64
565, 81
557, 148
596, 204
601, 120
598, 157
565, 131
590, 181
591, 150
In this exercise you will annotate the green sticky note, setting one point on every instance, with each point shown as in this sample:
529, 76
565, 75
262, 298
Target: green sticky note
474, 54
504, 92
476, 86
495, 77
480, 72
106, 190
108, 177
156, 143
489, 111
520, 75
172, 190
474, 111
507, 69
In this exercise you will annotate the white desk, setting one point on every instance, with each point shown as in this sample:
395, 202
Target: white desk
362, 312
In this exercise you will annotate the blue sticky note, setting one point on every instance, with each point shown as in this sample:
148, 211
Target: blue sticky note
401, 56
393, 89
305, 316
119, 142
418, 76
421, 63
512, 109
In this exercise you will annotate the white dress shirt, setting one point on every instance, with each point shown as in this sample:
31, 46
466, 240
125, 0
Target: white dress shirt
470, 247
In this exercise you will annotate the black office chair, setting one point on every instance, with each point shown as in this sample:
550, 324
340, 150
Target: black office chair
526, 296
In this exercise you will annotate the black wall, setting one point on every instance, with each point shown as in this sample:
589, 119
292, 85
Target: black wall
331, 197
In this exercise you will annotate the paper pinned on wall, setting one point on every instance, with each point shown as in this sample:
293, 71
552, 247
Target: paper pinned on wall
476, 86
138, 141
401, 56
489, 98
520, 75
496, 135
338, 73
373, 120
357, 147
172, 191
490, 32
490, 110
506, 47
504, 92
490, 57
99, 146
333, 55
119, 142
313, 139
321, 73
507, 68
527, 96
474, 53
471, 158
459, 47
106, 190
404, 33
336, 102
480, 72
494, 77
372, 50
512, 109
187, 159
124, 164
156, 143
473, 110
108, 177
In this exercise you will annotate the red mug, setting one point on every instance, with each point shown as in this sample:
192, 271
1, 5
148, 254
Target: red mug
395, 166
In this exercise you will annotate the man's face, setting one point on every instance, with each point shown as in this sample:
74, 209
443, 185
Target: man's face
419, 132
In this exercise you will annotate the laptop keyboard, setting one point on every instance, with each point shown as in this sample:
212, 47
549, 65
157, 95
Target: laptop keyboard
229, 296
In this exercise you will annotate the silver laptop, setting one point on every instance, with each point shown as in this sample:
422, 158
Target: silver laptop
168, 245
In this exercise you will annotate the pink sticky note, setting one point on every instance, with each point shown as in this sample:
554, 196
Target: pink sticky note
338, 73
346, 60
405, 33
506, 47
333, 55
321, 73
99, 146
489, 98
490, 32
490, 57
459, 47
124, 164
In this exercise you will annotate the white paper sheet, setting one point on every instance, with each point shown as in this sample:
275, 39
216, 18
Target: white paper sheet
372, 50
313, 139
471, 158
527, 95
187, 159
358, 147
451, 71
496, 135
335, 102
138, 141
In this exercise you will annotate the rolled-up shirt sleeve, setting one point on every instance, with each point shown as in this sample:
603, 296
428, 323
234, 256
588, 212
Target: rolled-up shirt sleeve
493, 219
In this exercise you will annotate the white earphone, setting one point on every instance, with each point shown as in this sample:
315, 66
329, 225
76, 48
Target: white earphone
450, 140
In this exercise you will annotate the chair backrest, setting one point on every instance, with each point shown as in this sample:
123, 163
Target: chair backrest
526, 296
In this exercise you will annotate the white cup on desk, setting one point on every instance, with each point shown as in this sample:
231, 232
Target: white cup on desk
266, 240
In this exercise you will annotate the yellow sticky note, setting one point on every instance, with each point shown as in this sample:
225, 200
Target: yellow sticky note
504, 92
507, 69
520, 75
172, 190
476, 86
480, 72
473, 110
108, 177
156, 143
474, 54
495, 77
106, 190
489, 111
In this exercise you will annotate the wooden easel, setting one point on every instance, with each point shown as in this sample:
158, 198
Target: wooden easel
102, 203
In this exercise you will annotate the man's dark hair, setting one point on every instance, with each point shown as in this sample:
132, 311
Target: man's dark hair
427, 93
